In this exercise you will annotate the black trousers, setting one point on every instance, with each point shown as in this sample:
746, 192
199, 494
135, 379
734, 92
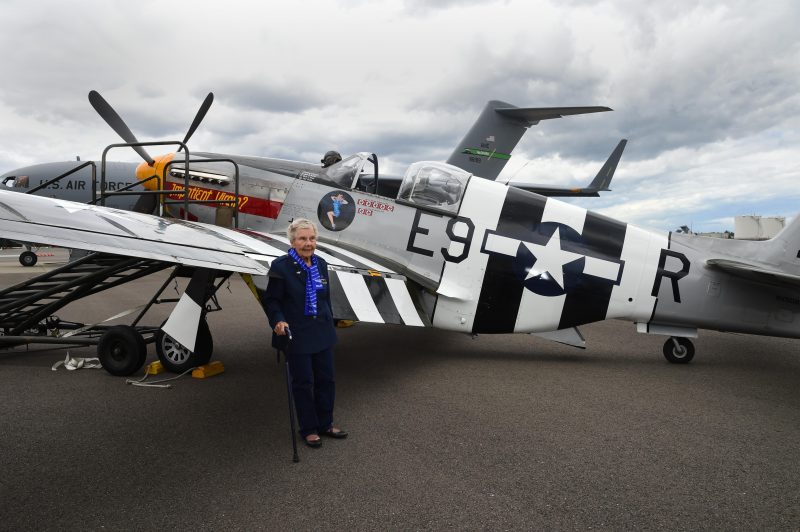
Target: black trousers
314, 388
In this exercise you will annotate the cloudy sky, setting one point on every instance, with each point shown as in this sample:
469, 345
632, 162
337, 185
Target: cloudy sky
708, 93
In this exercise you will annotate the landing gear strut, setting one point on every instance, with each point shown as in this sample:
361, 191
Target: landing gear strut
679, 350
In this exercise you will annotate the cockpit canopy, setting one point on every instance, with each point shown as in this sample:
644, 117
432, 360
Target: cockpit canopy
345, 173
433, 184
16, 181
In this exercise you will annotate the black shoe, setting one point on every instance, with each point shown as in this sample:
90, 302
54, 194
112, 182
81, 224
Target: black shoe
314, 444
339, 434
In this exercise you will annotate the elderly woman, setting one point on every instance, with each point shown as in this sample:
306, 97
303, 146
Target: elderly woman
298, 298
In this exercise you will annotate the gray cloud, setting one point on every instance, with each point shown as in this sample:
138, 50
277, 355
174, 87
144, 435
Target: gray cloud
705, 91
281, 97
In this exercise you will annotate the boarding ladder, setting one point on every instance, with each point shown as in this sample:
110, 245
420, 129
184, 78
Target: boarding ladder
26, 306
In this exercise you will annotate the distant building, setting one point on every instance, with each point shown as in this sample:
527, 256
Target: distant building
716, 234
757, 227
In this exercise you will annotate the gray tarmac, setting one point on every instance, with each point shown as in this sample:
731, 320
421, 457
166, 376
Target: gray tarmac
498, 432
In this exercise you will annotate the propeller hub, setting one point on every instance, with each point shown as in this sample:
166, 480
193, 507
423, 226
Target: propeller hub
144, 171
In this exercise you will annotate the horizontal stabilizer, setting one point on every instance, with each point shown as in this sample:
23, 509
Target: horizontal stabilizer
773, 261
533, 115
754, 271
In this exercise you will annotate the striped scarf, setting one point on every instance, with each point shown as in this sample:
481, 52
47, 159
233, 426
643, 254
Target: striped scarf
313, 281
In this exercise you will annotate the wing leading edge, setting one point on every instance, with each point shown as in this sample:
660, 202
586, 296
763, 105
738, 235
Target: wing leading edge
599, 184
61, 223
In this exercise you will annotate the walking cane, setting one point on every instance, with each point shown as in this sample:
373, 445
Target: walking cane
295, 457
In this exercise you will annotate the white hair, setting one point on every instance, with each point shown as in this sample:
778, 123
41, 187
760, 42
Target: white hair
299, 223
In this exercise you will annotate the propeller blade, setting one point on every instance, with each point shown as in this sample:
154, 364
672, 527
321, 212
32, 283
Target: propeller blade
146, 204
201, 113
111, 117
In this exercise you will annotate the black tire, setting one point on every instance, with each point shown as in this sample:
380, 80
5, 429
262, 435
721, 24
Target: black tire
28, 258
122, 350
683, 353
177, 358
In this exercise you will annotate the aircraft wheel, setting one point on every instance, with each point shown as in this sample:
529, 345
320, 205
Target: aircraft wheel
28, 258
122, 350
176, 358
679, 350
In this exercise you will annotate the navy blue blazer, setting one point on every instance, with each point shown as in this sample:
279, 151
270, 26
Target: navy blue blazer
285, 300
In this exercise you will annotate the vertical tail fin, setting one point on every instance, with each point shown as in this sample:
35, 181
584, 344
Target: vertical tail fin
784, 248
487, 146
599, 184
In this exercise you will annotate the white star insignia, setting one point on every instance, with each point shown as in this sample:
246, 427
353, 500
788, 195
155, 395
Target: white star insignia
550, 259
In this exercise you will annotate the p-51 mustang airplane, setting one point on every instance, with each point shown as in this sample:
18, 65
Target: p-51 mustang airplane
447, 249
486, 147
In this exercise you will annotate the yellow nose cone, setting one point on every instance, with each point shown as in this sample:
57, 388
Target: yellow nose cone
144, 172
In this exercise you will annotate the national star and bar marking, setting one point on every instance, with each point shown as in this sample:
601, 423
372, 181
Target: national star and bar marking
550, 259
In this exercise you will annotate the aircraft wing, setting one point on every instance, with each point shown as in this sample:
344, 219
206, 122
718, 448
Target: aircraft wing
361, 288
599, 184
30, 218
755, 272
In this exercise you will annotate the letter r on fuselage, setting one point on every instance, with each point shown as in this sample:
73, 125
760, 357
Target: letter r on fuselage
674, 276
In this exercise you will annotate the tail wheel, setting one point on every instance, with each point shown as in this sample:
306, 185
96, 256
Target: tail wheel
28, 258
122, 350
679, 350
176, 358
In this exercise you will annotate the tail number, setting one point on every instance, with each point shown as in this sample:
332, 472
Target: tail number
456, 225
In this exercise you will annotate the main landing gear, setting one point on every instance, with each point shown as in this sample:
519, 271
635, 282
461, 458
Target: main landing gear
679, 350
176, 358
122, 350
28, 258
27, 312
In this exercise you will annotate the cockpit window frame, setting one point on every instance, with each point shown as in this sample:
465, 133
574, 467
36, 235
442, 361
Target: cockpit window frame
19, 181
352, 165
440, 181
